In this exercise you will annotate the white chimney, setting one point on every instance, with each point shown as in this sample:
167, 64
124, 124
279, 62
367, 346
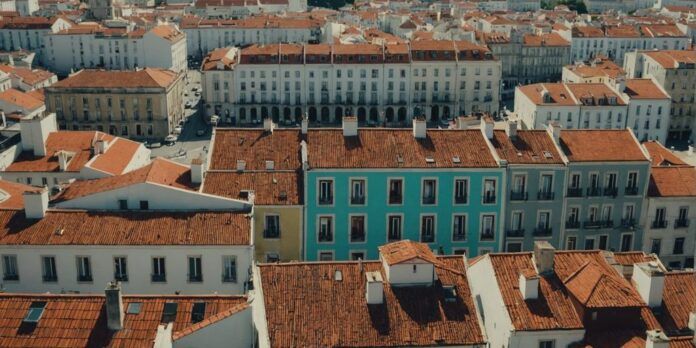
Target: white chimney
34, 132
350, 126
64, 158
529, 286
543, 256
620, 84
511, 129
113, 302
554, 129
374, 289
100, 146
197, 170
419, 128
241, 165
304, 124
35, 203
487, 126
656, 339
692, 325
649, 279
268, 124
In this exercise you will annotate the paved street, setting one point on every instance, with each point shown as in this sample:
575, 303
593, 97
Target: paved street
190, 145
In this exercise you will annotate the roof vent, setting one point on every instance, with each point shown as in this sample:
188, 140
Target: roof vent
429, 160
456, 160
241, 165
58, 231
399, 159
283, 195
547, 154
338, 276
270, 165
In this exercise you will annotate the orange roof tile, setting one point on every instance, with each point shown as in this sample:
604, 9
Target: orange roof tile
671, 59
27, 75
79, 320
661, 156
410, 316
528, 147
125, 228
11, 194
21, 99
406, 250
558, 93
594, 92
148, 77
629, 258
255, 146
672, 182
644, 89
270, 188
600, 145
678, 300
550, 39
382, 148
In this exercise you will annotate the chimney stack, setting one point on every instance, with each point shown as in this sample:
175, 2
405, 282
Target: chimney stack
511, 129
64, 158
35, 130
268, 124
241, 165
374, 289
113, 302
419, 128
304, 124
487, 126
543, 256
656, 339
350, 126
197, 170
35, 203
100, 146
554, 129
649, 279
692, 324
529, 285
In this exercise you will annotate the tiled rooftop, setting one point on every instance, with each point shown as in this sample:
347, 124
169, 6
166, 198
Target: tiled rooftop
256, 146
661, 156
644, 89
11, 194
600, 145
406, 250
672, 182
145, 78
270, 187
527, 147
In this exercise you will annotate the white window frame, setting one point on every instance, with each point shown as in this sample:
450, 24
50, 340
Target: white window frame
420, 227
466, 227
350, 191
80, 268
401, 225
350, 227
403, 188
333, 228
333, 255
422, 189
319, 190
467, 185
495, 192
481, 224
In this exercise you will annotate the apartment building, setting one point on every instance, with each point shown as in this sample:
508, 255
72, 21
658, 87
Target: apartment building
113, 319
597, 70
675, 72
379, 84
140, 104
367, 187
27, 79
588, 41
29, 33
262, 166
607, 179
91, 45
428, 298
205, 35
242, 8
149, 252
648, 109
669, 214
48, 157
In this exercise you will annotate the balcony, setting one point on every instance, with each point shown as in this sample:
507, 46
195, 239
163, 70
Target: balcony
594, 192
121, 277
570, 224
10, 277
610, 192
681, 223
489, 198
428, 199
574, 192
357, 236
518, 196
631, 191
488, 235
592, 224
158, 278
543, 231
545, 195
195, 278
395, 198
628, 223
84, 278
659, 224
327, 200
459, 237
50, 278
357, 200
487, 98
515, 233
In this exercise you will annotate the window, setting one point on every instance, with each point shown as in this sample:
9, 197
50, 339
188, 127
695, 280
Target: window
543, 224
656, 246
49, 271
459, 228
603, 242
84, 269
513, 247
429, 195
546, 187
394, 228
272, 227
547, 344
632, 184
120, 269
169, 312
682, 218
516, 225
357, 192
571, 242
325, 229
35, 312
159, 273
357, 255
659, 221
197, 312
626, 242
195, 271
427, 229
9, 267
678, 246
229, 269
395, 191
589, 244
144, 205
123, 204
519, 189
487, 227
134, 308
325, 192
461, 194
357, 229
326, 256
489, 191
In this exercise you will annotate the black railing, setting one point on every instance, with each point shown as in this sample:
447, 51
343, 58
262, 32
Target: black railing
574, 192
592, 224
518, 196
84, 278
121, 277
610, 191
159, 278
631, 191
395, 198
10, 277
489, 199
628, 223
50, 278
326, 200
543, 231
659, 224
195, 278
594, 191
271, 233
545, 196
519, 232
357, 200
572, 224
428, 199
681, 223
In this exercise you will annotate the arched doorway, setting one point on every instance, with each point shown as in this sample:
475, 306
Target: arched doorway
275, 113
325, 115
401, 114
435, 113
287, 114
338, 114
374, 115
390, 114
362, 115
312, 114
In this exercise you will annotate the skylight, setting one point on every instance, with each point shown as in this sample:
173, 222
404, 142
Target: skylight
35, 312
169, 312
134, 307
198, 312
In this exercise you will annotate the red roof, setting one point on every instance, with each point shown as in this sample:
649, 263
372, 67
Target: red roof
661, 156
678, 300
145, 78
256, 146
270, 187
406, 250
80, 320
672, 182
601, 145
527, 147
11, 194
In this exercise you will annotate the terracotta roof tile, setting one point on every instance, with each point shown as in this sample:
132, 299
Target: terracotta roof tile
661, 156
672, 182
629, 258
125, 228
148, 77
678, 300
21, 99
80, 320
557, 93
671, 59
381, 148
644, 89
600, 145
299, 295
528, 147
552, 310
27, 75
117, 156
270, 188
550, 39
593, 93
11, 194
406, 250
255, 146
